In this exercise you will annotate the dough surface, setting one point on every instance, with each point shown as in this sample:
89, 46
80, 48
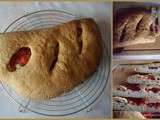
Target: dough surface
61, 58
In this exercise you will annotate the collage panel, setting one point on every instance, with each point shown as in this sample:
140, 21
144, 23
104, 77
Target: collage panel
136, 30
55, 59
136, 60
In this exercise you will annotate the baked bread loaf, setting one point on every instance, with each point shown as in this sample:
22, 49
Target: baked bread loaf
135, 26
44, 63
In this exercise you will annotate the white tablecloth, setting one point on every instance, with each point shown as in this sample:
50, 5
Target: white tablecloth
101, 12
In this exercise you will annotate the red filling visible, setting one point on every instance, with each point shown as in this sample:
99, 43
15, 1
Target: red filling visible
154, 90
21, 57
134, 87
155, 115
151, 115
151, 77
156, 105
137, 101
147, 114
141, 101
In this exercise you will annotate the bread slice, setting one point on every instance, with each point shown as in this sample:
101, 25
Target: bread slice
149, 80
125, 104
141, 92
153, 68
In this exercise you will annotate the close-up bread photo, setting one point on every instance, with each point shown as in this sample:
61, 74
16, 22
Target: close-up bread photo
45, 63
136, 60
135, 92
135, 26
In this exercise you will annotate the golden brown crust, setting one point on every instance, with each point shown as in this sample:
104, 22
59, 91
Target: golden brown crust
134, 26
61, 58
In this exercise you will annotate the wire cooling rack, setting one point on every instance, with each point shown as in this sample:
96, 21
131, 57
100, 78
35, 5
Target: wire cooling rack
79, 98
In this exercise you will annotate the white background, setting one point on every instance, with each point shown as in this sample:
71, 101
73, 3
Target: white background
100, 11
